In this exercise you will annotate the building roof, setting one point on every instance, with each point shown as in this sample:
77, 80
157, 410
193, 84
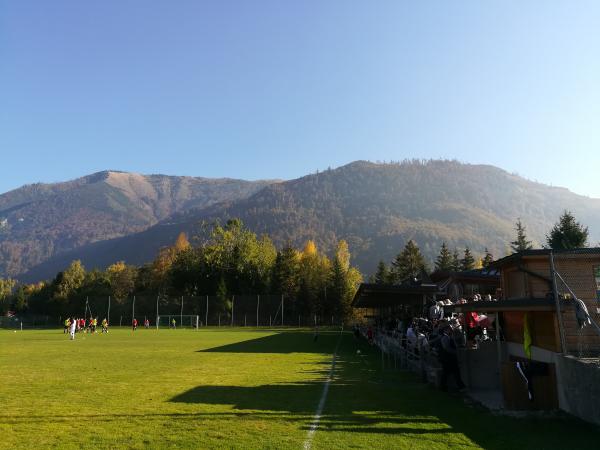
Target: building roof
519, 304
486, 275
371, 295
510, 259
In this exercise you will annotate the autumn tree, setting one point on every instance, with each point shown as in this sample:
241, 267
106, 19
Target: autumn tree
69, 280
241, 258
6, 289
343, 282
122, 279
181, 243
313, 274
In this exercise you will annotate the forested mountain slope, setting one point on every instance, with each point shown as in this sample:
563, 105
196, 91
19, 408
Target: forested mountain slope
376, 208
42, 220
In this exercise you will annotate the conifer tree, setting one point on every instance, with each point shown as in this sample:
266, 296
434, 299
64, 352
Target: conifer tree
468, 261
487, 259
382, 276
408, 264
455, 261
567, 233
521, 243
444, 260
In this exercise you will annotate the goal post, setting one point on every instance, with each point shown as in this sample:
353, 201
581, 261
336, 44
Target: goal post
178, 321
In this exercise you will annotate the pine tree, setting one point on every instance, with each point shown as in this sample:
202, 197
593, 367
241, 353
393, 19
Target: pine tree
408, 264
487, 259
382, 276
455, 261
521, 243
567, 233
468, 262
443, 262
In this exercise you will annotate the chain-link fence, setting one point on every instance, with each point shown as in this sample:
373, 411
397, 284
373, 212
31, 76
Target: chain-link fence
213, 311
27, 322
577, 277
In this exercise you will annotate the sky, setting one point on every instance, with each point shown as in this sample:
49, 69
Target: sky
280, 89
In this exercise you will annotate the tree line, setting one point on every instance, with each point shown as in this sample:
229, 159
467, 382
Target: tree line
566, 234
232, 260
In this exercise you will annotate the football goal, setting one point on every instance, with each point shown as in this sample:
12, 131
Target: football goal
177, 321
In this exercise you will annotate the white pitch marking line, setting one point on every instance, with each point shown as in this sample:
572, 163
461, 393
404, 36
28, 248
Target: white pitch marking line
315, 423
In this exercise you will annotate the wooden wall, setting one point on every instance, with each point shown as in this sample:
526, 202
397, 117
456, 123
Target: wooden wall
578, 272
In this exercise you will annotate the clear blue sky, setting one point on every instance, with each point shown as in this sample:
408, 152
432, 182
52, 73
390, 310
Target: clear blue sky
261, 89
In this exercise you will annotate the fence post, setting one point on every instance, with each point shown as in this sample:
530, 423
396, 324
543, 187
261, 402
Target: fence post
561, 328
181, 313
281, 309
108, 314
245, 320
232, 306
157, 316
206, 322
257, 308
219, 320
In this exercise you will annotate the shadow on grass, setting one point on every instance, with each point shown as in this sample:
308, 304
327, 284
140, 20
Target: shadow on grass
283, 342
364, 399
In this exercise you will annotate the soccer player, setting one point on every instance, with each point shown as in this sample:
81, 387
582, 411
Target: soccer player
174, 323
134, 324
72, 328
67, 325
104, 325
146, 323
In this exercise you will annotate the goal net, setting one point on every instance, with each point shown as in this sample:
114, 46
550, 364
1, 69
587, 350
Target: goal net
178, 321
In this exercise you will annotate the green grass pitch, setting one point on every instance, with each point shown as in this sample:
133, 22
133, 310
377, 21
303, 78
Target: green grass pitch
242, 388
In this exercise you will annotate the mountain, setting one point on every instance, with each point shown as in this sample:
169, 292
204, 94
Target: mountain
39, 221
376, 208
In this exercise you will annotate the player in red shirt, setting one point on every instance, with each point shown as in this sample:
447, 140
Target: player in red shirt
134, 324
